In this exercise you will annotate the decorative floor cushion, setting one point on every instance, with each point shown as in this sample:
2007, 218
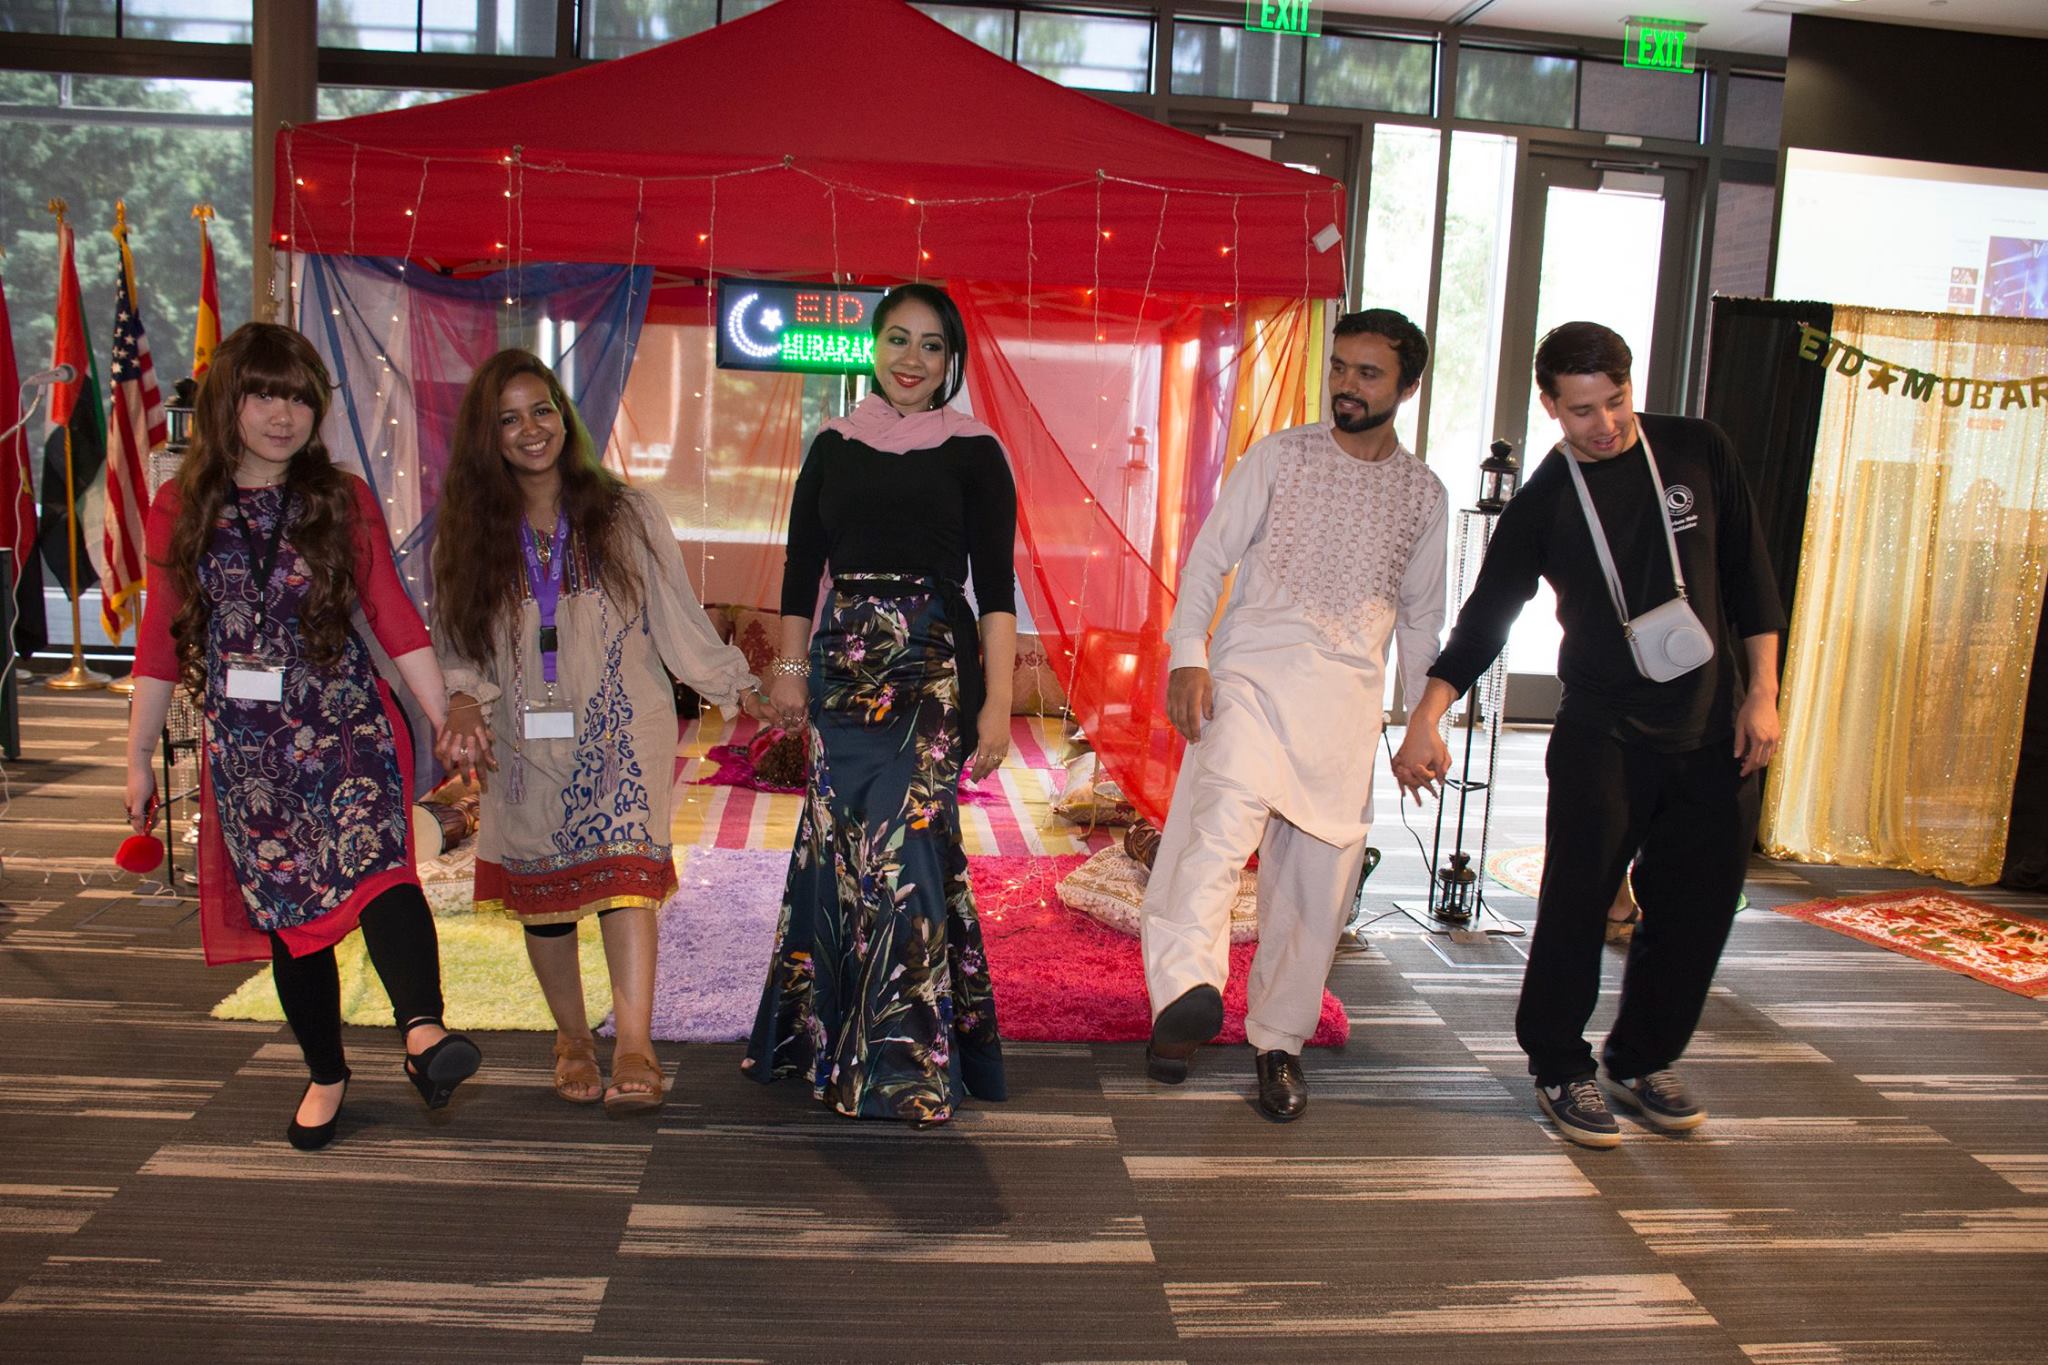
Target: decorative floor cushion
1110, 889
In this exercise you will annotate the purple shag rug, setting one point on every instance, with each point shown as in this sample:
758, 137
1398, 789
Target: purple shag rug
717, 933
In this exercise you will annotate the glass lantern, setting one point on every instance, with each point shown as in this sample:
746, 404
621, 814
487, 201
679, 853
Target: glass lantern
1500, 474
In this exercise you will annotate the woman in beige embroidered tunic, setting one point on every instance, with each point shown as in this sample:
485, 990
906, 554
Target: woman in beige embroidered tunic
561, 610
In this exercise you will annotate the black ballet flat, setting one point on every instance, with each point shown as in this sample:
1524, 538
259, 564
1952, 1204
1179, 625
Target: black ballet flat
437, 1071
311, 1138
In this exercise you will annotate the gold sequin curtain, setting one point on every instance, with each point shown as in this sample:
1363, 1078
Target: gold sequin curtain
1919, 595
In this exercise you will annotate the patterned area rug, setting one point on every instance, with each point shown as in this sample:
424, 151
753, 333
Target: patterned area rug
1518, 869
1060, 977
1994, 946
1521, 870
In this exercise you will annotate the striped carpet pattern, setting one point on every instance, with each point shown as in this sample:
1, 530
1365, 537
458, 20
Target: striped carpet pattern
1872, 1185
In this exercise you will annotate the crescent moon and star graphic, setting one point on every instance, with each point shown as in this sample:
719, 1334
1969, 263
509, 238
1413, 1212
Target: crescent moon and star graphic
736, 328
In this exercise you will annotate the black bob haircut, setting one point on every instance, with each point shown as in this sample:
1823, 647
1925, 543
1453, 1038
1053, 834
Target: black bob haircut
951, 329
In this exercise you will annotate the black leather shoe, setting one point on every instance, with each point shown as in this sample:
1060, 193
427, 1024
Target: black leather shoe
436, 1071
312, 1137
1186, 1024
1283, 1090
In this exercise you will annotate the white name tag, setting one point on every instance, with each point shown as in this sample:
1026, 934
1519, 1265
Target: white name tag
550, 724
256, 684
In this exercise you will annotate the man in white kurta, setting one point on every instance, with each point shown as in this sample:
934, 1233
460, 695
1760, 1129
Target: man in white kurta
1337, 536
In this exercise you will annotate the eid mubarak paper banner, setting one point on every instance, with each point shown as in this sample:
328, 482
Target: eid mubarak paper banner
1903, 381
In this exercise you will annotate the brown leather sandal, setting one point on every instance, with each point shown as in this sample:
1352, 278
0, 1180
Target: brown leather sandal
635, 1068
576, 1068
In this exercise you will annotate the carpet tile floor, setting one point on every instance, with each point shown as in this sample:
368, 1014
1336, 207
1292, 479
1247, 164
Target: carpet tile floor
1872, 1185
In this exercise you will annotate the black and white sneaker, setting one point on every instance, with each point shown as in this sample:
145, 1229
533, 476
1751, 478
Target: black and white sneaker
1580, 1114
1661, 1098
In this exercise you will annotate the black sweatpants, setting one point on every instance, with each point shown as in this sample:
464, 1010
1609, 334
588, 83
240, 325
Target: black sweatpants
1688, 820
398, 929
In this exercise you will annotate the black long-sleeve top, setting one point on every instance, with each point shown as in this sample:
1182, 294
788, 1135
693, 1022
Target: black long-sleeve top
938, 511
1543, 534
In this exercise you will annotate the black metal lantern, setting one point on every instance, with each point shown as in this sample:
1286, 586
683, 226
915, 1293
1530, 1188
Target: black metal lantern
1500, 474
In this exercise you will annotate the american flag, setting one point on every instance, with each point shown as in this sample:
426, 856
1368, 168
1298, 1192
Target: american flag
138, 426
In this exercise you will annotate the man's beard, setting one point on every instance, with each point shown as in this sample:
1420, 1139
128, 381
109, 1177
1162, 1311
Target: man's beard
1352, 426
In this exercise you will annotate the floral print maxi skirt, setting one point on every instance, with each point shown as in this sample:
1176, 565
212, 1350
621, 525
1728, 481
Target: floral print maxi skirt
879, 990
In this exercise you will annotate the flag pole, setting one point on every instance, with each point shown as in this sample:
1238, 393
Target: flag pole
77, 678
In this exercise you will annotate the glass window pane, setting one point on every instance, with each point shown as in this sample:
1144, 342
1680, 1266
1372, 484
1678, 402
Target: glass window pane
1400, 231
370, 25
92, 161
618, 28
85, 18
1087, 52
523, 28
1617, 99
1517, 87
1372, 73
1755, 108
1471, 301
736, 9
187, 21
994, 29
347, 101
1230, 63
226, 100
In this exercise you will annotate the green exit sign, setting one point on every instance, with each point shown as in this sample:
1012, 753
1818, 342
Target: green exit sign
1283, 16
1658, 44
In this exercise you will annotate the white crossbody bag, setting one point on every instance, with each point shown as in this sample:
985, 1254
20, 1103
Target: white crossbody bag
1668, 641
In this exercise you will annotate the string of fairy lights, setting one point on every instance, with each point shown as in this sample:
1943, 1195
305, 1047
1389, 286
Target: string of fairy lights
302, 238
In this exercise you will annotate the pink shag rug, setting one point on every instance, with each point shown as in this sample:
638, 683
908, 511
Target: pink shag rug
1060, 977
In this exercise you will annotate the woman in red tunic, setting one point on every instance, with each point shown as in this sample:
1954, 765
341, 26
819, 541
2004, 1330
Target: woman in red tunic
260, 553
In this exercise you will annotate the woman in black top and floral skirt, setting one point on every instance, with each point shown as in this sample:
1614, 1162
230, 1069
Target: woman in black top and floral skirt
879, 992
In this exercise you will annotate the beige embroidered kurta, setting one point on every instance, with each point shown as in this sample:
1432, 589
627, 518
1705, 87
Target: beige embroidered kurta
570, 827
1334, 556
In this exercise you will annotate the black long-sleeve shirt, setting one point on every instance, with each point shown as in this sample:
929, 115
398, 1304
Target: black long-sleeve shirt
936, 511
1543, 534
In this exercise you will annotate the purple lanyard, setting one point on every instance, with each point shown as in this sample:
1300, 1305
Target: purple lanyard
546, 586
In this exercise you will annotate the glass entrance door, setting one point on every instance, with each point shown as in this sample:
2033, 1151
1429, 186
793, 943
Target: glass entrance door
1602, 241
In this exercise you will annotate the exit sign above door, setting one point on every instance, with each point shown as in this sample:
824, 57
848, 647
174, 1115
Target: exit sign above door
1283, 16
1658, 44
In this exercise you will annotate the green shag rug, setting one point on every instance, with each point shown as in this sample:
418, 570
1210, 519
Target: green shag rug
486, 980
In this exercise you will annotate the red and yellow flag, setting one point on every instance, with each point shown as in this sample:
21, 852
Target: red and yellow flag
206, 335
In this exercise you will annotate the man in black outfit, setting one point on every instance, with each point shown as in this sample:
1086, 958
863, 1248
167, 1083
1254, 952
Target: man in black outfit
1662, 772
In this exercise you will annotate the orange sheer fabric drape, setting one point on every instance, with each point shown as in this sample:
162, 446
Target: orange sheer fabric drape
1103, 530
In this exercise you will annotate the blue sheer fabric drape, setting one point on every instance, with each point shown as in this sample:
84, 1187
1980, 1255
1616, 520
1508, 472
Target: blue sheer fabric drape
402, 342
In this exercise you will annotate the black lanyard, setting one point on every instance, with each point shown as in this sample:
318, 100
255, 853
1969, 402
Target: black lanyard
263, 557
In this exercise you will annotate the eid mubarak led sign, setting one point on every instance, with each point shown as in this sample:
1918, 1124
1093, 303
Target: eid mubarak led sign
811, 328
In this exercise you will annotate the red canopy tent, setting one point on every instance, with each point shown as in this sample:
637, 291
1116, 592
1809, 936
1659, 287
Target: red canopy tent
815, 137
1128, 287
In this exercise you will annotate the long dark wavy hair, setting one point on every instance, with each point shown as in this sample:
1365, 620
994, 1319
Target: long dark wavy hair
478, 575
263, 358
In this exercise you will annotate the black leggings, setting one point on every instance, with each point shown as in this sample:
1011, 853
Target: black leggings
398, 929
564, 928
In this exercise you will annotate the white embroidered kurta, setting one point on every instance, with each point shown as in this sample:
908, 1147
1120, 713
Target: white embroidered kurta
1335, 557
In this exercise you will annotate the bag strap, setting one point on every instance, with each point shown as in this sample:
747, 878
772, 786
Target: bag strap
1600, 534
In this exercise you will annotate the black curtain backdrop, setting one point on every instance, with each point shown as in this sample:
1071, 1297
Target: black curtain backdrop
1768, 401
